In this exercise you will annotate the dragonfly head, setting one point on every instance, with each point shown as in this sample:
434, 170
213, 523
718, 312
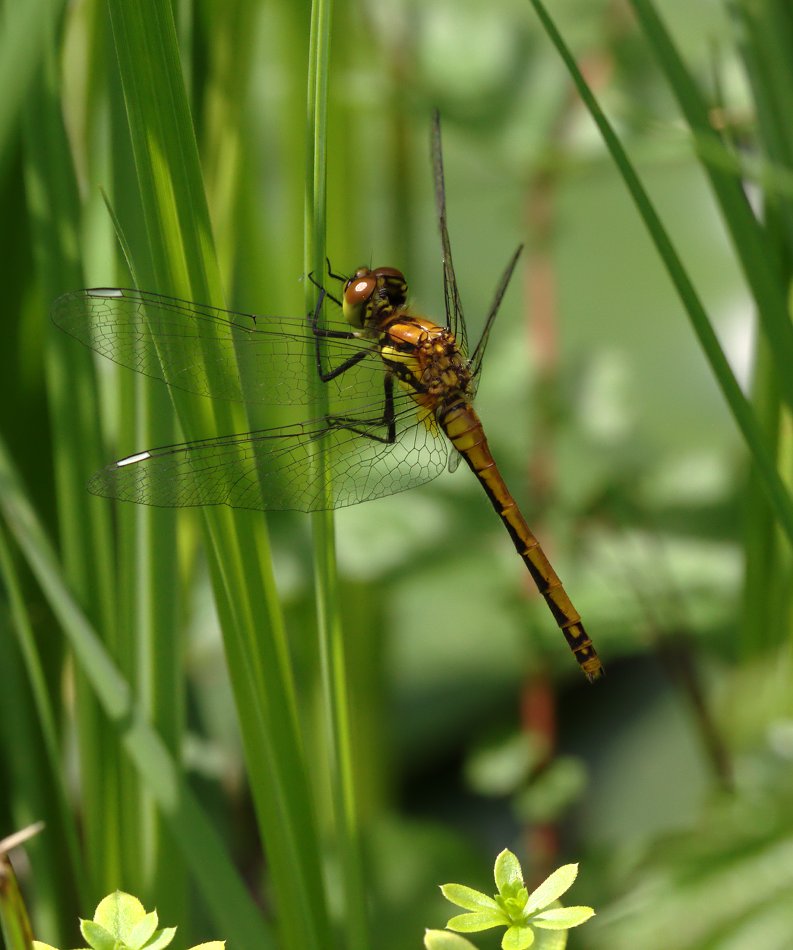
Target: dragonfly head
370, 296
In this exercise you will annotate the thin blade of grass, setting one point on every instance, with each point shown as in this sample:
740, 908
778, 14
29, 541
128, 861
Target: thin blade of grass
759, 259
741, 409
765, 41
180, 239
25, 30
84, 526
60, 854
14, 921
221, 887
148, 631
330, 632
30, 792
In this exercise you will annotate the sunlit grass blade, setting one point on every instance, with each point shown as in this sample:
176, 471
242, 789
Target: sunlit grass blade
14, 920
739, 406
25, 31
84, 527
767, 573
332, 654
181, 249
150, 592
56, 858
225, 135
765, 41
222, 889
761, 264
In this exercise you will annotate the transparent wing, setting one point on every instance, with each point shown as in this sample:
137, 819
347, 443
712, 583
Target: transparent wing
475, 362
454, 308
282, 468
214, 352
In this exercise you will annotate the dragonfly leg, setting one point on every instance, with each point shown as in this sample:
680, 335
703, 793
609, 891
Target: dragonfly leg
363, 426
340, 277
317, 284
342, 368
322, 334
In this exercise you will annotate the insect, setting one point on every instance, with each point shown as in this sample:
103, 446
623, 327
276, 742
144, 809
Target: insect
398, 393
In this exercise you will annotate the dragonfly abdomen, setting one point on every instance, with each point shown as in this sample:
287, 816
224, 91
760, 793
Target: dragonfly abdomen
464, 429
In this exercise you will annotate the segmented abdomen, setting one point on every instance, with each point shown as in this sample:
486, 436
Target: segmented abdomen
464, 429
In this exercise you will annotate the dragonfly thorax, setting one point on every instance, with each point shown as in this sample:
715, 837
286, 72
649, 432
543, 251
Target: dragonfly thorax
426, 360
371, 296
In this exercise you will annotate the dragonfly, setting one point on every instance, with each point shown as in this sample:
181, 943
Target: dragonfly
398, 395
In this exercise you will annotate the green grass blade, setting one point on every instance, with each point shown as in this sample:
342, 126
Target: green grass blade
224, 140
148, 571
759, 259
14, 921
765, 40
180, 243
767, 572
25, 29
330, 632
222, 889
84, 526
739, 406
56, 858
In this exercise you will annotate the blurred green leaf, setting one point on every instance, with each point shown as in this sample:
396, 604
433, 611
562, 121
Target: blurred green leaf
443, 940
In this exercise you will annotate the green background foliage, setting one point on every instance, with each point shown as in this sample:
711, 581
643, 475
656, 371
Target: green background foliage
192, 728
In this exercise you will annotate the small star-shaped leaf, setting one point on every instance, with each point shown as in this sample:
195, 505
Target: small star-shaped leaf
507, 871
468, 898
517, 938
484, 920
552, 888
562, 918
96, 936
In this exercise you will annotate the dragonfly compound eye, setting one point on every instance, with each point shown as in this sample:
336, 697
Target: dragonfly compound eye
357, 293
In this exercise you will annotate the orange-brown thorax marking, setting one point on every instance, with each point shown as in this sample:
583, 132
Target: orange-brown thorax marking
426, 360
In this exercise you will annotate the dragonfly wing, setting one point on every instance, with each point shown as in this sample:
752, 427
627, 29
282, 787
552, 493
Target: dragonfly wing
282, 468
213, 352
454, 308
481, 346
